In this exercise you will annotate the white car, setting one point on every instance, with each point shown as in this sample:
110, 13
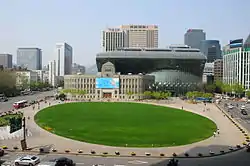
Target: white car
230, 106
30, 160
243, 107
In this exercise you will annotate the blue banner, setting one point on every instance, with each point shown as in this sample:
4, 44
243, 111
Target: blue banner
107, 83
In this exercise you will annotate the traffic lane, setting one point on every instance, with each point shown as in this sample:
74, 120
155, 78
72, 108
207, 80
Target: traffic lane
7, 106
239, 158
92, 160
244, 120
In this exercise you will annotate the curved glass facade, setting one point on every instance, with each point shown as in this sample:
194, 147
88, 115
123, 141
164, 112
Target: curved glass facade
175, 76
177, 71
211, 49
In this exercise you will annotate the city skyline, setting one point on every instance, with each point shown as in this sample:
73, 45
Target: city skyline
86, 20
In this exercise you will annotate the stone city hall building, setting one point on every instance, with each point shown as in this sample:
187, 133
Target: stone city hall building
109, 84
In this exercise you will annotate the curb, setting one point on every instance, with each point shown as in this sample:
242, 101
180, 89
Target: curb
105, 154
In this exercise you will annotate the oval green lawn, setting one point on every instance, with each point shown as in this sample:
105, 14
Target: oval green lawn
118, 124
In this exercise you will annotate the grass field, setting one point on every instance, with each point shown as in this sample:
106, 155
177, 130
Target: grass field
118, 124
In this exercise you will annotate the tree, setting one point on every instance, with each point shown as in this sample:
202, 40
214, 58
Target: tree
248, 94
130, 94
238, 89
147, 94
8, 83
226, 88
156, 95
210, 88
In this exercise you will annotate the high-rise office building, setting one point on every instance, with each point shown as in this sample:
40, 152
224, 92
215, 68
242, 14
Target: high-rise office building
144, 36
137, 36
6, 60
113, 38
211, 49
236, 67
30, 58
52, 73
193, 37
64, 56
218, 70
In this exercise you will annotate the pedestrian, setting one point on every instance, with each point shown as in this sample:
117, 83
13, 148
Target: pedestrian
214, 134
182, 107
218, 131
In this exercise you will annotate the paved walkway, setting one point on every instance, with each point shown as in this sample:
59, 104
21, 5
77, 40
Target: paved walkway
229, 135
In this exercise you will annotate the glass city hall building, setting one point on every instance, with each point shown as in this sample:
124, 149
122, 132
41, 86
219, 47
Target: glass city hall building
236, 63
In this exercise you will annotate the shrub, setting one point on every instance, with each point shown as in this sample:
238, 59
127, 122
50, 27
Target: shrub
222, 151
4, 147
174, 154
200, 154
162, 154
79, 151
133, 154
92, 152
186, 154
67, 150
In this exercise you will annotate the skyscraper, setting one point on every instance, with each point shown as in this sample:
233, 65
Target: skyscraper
193, 37
211, 49
30, 58
143, 36
52, 73
64, 56
113, 38
6, 60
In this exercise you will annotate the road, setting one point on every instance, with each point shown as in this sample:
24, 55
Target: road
7, 106
240, 158
244, 120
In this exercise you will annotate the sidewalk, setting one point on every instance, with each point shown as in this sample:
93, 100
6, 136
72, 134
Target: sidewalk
229, 135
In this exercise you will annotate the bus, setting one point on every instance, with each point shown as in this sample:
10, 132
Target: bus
20, 104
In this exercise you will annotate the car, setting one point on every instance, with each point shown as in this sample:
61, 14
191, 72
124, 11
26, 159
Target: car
30, 160
63, 161
1, 152
243, 107
230, 106
244, 112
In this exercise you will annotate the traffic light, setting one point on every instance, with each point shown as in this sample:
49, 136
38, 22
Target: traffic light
15, 124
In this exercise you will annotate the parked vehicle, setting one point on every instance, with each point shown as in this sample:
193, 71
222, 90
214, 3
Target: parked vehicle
30, 160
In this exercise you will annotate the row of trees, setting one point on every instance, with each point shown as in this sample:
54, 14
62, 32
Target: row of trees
38, 85
220, 87
157, 95
147, 94
195, 94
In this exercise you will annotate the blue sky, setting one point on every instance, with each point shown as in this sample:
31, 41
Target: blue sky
42, 23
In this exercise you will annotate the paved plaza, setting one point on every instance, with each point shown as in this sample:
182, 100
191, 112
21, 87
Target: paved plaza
229, 135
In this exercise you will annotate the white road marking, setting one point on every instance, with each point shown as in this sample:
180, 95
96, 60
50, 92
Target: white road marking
137, 162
